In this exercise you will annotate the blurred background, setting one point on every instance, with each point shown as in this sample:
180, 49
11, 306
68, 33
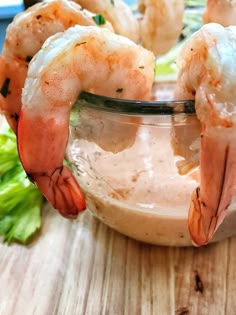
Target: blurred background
9, 8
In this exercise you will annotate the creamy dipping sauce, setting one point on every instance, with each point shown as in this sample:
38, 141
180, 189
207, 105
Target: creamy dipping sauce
139, 191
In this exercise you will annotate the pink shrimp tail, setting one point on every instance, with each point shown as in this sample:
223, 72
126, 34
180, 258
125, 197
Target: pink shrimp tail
210, 202
42, 160
62, 191
202, 228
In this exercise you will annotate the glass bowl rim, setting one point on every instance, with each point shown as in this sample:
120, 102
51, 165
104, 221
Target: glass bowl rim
134, 107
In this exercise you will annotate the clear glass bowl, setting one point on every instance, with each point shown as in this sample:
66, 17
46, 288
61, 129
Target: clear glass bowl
137, 163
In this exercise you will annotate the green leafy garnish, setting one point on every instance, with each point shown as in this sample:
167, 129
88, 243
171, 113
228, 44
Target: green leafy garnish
112, 2
28, 58
99, 19
5, 87
165, 65
120, 90
20, 200
194, 3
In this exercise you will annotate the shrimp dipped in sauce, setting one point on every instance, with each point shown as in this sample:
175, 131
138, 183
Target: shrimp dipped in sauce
80, 59
220, 11
24, 37
186, 144
161, 24
207, 73
118, 13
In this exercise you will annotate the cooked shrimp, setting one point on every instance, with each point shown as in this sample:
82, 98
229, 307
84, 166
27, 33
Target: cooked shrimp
81, 58
24, 37
161, 24
207, 70
220, 11
185, 141
118, 13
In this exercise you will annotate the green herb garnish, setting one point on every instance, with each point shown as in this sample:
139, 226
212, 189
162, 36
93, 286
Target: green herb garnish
99, 19
82, 43
5, 88
119, 90
28, 58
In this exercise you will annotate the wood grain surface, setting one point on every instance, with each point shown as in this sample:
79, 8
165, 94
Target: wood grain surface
84, 267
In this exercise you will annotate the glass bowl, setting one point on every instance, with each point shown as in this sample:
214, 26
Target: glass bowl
137, 163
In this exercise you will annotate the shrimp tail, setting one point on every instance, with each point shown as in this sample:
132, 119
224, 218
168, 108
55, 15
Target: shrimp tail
62, 191
54, 179
210, 202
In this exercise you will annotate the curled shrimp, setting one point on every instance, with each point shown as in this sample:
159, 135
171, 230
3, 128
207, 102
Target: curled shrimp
82, 58
24, 37
161, 24
220, 11
118, 13
207, 70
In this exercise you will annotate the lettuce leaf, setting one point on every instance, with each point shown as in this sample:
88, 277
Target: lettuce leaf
20, 200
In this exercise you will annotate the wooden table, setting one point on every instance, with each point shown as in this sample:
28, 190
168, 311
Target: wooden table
84, 267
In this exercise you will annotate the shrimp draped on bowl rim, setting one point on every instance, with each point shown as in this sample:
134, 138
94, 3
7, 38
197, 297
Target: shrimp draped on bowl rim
80, 59
207, 74
25, 35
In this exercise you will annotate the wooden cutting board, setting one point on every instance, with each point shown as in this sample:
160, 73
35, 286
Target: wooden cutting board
84, 267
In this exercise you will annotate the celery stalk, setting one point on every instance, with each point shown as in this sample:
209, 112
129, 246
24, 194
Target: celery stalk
20, 200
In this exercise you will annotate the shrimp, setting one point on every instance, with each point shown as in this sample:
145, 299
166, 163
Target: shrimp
220, 11
118, 13
24, 37
161, 24
82, 58
186, 143
207, 71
